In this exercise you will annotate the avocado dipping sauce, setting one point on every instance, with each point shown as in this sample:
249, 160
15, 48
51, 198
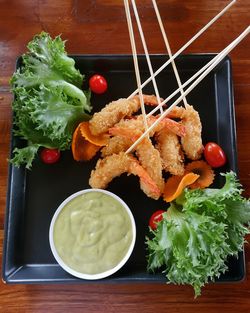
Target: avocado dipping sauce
93, 232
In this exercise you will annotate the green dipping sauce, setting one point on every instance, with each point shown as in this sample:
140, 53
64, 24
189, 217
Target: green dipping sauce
92, 233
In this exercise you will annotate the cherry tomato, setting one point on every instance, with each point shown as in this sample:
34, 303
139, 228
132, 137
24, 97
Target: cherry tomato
155, 218
98, 84
50, 156
214, 155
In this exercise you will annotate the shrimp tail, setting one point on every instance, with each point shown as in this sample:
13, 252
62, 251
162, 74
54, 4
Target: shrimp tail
146, 182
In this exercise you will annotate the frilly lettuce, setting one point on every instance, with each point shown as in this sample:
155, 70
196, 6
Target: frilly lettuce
198, 233
48, 100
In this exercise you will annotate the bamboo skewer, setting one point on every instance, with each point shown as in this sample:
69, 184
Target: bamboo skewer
137, 73
216, 61
146, 52
184, 47
164, 35
192, 78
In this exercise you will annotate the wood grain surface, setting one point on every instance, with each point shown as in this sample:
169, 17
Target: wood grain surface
99, 27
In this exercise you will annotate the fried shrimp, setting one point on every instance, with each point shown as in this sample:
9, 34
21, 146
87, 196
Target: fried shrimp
116, 144
150, 160
115, 165
121, 142
137, 123
176, 136
168, 146
170, 151
191, 142
148, 155
113, 112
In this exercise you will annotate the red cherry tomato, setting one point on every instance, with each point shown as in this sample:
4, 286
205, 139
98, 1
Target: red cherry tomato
98, 84
50, 156
214, 155
155, 218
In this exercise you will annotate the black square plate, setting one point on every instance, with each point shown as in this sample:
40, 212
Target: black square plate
34, 195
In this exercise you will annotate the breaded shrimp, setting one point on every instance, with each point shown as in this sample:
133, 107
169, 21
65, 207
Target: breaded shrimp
170, 151
121, 142
191, 142
113, 112
150, 159
137, 123
148, 155
116, 144
115, 165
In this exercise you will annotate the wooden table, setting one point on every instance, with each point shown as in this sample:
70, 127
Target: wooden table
99, 27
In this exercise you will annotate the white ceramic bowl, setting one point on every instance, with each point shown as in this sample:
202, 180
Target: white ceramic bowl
102, 274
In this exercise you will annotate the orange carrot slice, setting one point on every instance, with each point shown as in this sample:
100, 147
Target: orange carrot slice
100, 140
203, 170
82, 149
176, 184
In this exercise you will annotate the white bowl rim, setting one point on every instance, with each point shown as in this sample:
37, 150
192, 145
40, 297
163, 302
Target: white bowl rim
98, 275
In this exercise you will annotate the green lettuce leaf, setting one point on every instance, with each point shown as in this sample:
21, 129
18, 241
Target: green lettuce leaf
25, 155
223, 205
48, 100
46, 62
188, 252
198, 233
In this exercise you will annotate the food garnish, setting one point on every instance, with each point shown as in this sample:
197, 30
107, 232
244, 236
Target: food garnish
176, 184
82, 149
155, 218
214, 155
197, 234
50, 156
85, 145
205, 172
100, 140
48, 102
98, 84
